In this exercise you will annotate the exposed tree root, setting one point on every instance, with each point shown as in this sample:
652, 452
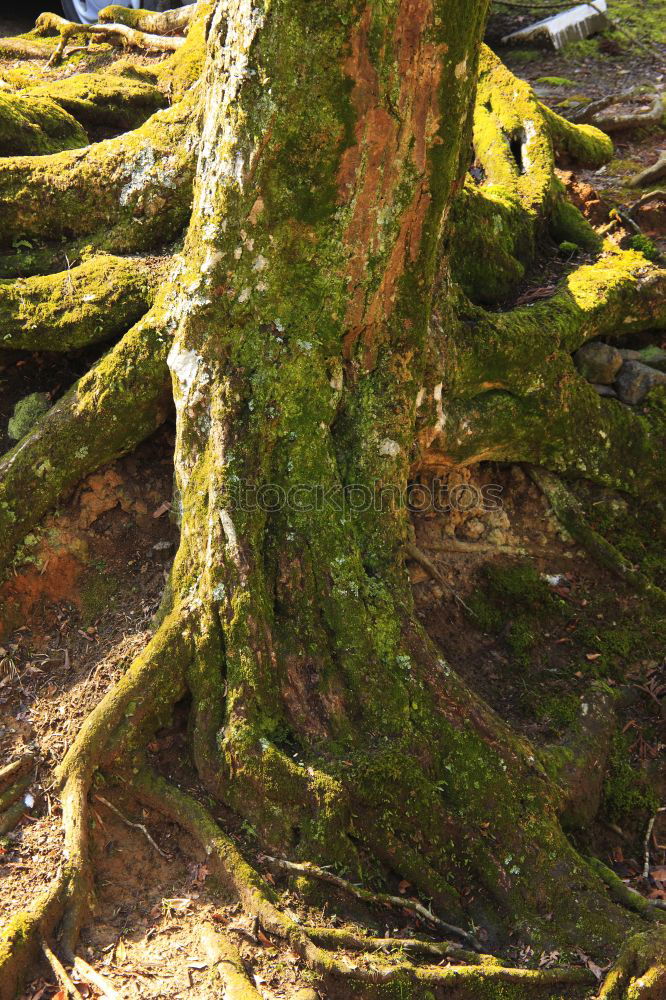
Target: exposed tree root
655, 172
88, 304
15, 770
342, 938
36, 126
60, 972
257, 899
227, 967
107, 413
621, 894
514, 394
570, 513
167, 23
596, 113
640, 970
136, 186
114, 33
381, 899
100, 99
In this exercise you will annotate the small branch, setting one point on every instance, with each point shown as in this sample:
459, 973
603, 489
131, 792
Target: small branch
59, 971
128, 822
412, 551
95, 979
375, 898
646, 843
10, 773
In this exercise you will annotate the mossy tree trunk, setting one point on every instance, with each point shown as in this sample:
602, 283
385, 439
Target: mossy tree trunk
318, 342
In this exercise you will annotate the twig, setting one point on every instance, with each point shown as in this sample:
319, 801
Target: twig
376, 898
59, 971
414, 552
136, 826
646, 843
95, 979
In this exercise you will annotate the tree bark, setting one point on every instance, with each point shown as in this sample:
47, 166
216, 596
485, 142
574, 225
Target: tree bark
320, 352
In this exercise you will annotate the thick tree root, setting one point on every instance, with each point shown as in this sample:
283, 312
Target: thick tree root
570, 513
621, 894
137, 187
88, 304
257, 899
514, 394
640, 971
227, 967
170, 22
117, 34
106, 414
340, 938
102, 100
36, 125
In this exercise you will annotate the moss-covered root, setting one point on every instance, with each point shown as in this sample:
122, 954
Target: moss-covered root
569, 512
498, 217
226, 966
118, 34
587, 145
37, 125
166, 23
621, 894
137, 187
102, 100
640, 970
89, 304
374, 978
105, 414
14, 781
67, 899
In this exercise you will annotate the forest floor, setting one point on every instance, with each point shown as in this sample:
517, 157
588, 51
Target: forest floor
519, 609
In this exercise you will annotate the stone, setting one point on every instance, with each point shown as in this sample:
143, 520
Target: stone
635, 381
578, 22
605, 390
473, 529
26, 414
652, 355
598, 363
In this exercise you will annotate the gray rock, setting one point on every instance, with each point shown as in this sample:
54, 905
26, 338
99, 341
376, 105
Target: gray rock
653, 356
605, 390
635, 381
567, 26
598, 363
26, 414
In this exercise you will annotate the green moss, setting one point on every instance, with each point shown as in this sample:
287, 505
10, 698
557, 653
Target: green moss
556, 81
581, 49
27, 412
36, 125
626, 789
643, 244
521, 57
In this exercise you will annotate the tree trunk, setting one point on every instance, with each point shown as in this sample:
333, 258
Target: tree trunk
320, 356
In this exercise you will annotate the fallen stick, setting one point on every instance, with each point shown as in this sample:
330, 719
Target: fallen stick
375, 898
95, 979
59, 971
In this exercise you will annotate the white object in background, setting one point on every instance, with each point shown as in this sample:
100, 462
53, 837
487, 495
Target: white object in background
569, 26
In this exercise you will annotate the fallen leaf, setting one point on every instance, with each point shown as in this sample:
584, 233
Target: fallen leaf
592, 656
264, 940
404, 886
657, 894
659, 874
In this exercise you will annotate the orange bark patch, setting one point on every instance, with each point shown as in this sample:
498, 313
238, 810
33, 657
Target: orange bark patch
392, 145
